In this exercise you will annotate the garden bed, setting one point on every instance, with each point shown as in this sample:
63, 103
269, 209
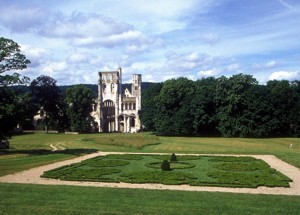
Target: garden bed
220, 171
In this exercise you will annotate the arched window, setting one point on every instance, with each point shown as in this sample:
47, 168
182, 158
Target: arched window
112, 88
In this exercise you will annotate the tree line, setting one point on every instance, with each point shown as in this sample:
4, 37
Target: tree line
229, 107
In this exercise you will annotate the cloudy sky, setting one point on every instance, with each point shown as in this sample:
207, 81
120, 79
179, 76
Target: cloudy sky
72, 40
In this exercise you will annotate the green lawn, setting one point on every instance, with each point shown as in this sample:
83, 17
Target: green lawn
34, 150
272, 146
31, 150
41, 199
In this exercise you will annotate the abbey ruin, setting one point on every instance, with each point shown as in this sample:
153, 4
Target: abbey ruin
118, 110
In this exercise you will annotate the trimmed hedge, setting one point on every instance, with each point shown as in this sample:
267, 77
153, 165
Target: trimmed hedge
224, 171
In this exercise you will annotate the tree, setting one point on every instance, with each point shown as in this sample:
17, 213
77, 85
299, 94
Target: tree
203, 108
15, 109
295, 112
286, 108
149, 109
11, 102
174, 105
230, 97
11, 59
46, 96
80, 100
257, 115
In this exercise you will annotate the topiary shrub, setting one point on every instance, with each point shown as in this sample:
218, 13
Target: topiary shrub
173, 157
165, 166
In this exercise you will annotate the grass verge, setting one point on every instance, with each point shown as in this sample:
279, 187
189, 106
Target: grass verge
43, 199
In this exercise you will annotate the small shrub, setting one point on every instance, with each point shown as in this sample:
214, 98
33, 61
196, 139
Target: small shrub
173, 157
165, 166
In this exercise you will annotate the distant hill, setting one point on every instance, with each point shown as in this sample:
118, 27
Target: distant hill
93, 87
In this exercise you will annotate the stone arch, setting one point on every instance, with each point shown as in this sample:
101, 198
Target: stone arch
121, 123
109, 116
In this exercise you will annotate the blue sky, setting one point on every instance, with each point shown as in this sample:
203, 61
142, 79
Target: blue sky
161, 39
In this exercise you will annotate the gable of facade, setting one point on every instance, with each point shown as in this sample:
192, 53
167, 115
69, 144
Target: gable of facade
117, 111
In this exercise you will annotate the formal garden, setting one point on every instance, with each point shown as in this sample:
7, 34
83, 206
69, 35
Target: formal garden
221, 171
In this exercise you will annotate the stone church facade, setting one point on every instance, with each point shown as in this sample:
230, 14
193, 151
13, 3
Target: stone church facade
118, 110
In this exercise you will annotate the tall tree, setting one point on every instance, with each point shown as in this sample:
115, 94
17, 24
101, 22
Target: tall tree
10, 59
149, 110
46, 95
285, 101
230, 98
80, 100
203, 108
257, 116
174, 105
295, 111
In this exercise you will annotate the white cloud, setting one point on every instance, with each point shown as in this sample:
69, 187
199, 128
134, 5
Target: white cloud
52, 68
268, 65
286, 75
208, 73
186, 62
148, 78
79, 57
271, 64
233, 67
95, 31
36, 55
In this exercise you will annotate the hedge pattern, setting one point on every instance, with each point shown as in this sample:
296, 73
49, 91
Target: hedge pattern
221, 171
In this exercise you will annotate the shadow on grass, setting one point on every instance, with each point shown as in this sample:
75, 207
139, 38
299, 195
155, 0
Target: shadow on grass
34, 152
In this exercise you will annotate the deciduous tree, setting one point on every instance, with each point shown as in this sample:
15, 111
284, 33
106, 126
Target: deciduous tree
10, 102
46, 96
174, 105
80, 100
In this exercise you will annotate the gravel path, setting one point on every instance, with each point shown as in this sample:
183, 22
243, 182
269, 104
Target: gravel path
32, 176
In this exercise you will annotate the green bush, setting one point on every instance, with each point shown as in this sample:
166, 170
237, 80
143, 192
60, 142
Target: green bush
173, 157
165, 166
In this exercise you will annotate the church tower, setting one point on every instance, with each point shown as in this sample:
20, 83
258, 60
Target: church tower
118, 110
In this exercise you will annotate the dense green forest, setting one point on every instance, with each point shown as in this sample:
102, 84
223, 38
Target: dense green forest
229, 107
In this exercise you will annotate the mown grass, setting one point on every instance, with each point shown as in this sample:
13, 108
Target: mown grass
32, 150
199, 171
287, 149
41, 199
38, 199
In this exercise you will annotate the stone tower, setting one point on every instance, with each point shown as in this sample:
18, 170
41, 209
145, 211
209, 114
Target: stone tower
118, 110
